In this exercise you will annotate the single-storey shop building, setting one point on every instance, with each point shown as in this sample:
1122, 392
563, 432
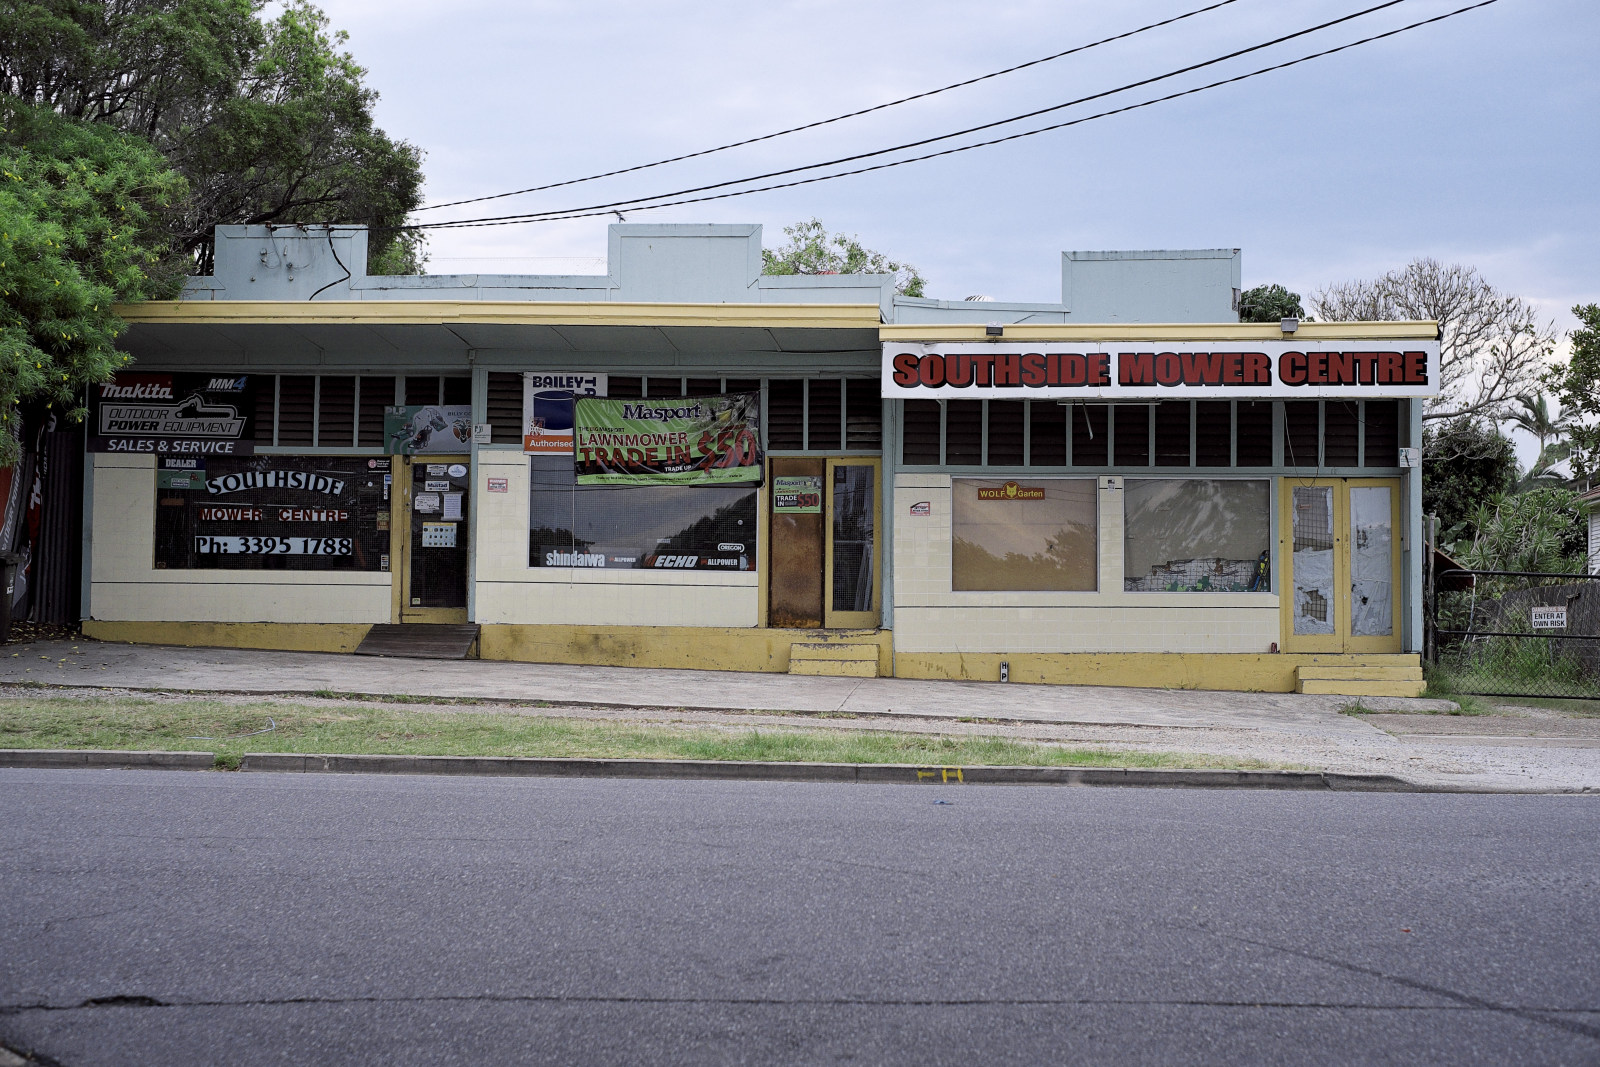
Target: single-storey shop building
686, 463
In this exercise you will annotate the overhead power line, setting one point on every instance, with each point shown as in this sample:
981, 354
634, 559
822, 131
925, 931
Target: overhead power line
636, 202
837, 118
577, 213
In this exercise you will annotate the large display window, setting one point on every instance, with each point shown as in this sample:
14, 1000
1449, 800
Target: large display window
1197, 535
291, 513
654, 527
1037, 534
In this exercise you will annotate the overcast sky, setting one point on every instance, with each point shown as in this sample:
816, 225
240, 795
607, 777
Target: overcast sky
1473, 140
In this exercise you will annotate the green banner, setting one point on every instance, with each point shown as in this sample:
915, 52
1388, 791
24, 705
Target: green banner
694, 440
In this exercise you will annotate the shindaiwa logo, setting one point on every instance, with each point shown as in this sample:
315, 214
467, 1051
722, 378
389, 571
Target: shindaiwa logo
226, 385
136, 391
646, 413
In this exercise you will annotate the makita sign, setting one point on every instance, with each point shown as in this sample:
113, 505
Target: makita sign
172, 413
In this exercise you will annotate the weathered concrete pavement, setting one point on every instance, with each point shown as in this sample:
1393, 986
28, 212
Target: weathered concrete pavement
1299, 730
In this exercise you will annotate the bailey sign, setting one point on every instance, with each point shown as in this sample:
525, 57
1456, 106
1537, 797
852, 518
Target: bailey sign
1166, 370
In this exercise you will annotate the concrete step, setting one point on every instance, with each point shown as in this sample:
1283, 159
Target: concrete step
837, 660
421, 640
1370, 687
1363, 673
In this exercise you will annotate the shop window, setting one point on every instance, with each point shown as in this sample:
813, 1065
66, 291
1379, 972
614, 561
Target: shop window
824, 414
1172, 433
1131, 434
919, 433
786, 415
1036, 534
1047, 433
1091, 434
297, 398
1340, 433
504, 408
1253, 433
655, 527
1196, 535
273, 512
1302, 430
336, 411
963, 433
1381, 447
1005, 433
1213, 433
377, 393
863, 407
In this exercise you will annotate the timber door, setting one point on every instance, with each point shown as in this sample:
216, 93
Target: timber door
430, 537
1340, 552
823, 548
797, 545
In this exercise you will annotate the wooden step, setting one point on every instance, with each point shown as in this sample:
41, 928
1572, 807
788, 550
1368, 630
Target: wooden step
421, 640
835, 660
1361, 673
1360, 688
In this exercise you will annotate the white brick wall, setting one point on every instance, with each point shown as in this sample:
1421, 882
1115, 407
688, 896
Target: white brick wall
930, 617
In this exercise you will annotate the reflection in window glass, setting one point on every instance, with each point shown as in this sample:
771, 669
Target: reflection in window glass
637, 526
1033, 535
1188, 535
1371, 562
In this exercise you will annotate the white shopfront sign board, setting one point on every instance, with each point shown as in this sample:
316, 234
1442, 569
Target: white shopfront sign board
1159, 370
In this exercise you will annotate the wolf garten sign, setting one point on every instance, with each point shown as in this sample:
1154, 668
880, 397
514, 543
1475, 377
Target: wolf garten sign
1137, 370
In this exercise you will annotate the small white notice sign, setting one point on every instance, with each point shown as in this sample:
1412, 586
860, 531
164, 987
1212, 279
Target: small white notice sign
1549, 618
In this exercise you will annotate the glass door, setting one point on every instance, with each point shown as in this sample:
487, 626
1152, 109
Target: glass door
431, 537
1339, 548
854, 494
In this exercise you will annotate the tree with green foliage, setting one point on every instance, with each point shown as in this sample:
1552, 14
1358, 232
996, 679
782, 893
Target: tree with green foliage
1543, 529
1533, 416
1269, 303
812, 250
1577, 386
82, 208
1464, 463
269, 121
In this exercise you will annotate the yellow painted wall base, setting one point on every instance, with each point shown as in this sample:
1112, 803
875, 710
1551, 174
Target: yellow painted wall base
1254, 672
282, 636
705, 648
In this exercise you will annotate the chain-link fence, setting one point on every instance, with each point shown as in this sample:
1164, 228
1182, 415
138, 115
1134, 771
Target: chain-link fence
1516, 633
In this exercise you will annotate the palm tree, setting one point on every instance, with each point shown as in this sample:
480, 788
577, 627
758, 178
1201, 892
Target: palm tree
1549, 430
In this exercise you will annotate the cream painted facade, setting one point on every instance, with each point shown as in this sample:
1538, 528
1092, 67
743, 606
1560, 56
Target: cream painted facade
932, 617
124, 585
820, 333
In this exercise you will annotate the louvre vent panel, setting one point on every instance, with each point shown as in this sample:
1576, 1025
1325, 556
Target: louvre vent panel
920, 433
336, 411
863, 414
1091, 435
1253, 430
296, 396
1131, 423
786, 415
1172, 433
504, 408
1213, 433
963, 432
1005, 433
1047, 433
376, 394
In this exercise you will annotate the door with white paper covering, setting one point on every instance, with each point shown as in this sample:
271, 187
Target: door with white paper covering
1340, 552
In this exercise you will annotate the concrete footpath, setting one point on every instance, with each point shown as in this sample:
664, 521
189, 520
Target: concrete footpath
1288, 729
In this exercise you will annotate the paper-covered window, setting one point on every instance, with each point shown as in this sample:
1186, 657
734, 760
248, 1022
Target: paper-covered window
1033, 534
1187, 535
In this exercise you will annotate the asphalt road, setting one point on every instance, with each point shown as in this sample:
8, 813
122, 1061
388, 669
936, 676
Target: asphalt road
194, 918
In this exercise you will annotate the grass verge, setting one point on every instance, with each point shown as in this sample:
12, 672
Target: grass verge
232, 729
